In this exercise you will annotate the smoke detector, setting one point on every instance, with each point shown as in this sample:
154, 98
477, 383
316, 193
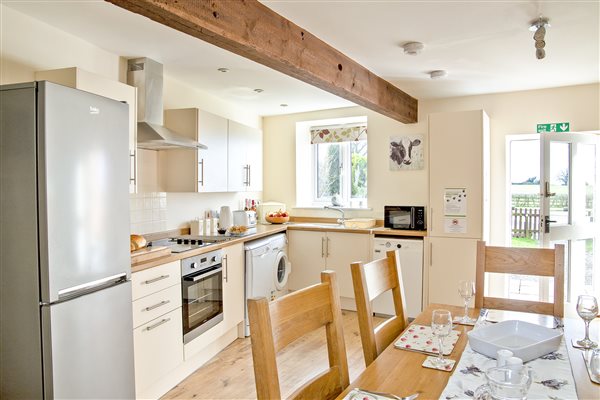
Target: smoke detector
413, 48
438, 74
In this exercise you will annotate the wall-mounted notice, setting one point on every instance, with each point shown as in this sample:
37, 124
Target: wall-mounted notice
455, 225
455, 202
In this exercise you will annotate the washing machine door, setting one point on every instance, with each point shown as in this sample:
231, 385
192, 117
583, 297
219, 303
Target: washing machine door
281, 270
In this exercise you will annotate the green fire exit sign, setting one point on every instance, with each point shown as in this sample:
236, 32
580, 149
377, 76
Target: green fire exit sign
554, 127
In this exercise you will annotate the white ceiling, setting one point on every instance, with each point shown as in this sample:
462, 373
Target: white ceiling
485, 46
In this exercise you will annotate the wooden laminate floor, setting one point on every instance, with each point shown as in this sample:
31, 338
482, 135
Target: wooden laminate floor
229, 375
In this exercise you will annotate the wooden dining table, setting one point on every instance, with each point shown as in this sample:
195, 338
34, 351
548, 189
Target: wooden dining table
400, 372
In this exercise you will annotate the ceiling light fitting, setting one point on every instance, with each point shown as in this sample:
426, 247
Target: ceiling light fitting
258, 90
539, 27
438, 74
223, 69
413, 48
283, 105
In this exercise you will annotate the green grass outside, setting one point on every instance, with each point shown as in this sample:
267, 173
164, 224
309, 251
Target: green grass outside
524, 242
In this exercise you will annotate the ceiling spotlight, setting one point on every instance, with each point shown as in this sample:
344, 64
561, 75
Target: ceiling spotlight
438, 74
413, 48
258, 90
283, 105
223, 69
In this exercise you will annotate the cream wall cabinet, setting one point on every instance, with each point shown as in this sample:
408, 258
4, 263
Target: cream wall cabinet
158, 326
459, 158
244, 151
77, 78
233, 285
314, 251
189, 170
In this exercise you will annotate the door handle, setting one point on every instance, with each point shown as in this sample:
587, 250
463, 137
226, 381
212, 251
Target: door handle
226, 262
322, 247
328, 247
547, 192
547, 222
201, 180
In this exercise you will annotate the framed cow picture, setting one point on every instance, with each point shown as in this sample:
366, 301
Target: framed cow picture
407, 153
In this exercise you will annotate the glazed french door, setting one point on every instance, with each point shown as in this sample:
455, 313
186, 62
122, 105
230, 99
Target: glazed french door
569, 214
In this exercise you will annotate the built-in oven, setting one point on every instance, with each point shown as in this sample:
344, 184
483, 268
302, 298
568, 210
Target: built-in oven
202, 293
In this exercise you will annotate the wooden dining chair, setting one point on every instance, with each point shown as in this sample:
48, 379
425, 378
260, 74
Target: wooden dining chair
521, 261
371, 280
274, 325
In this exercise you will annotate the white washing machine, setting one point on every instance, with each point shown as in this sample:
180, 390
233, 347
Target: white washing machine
411, 265
267, 269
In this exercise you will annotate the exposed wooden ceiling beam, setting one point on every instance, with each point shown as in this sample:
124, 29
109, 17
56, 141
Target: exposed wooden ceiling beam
252, 30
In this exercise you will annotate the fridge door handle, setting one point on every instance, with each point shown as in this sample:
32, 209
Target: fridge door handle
90, 287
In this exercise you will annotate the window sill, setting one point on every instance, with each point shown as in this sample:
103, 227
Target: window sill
341, 208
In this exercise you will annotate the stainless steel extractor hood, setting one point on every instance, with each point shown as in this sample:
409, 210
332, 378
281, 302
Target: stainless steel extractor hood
147, 76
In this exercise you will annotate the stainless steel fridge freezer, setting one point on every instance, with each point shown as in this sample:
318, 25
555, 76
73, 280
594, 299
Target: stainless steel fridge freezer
66, 321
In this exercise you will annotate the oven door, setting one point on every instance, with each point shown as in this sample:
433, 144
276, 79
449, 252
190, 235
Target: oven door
202, 302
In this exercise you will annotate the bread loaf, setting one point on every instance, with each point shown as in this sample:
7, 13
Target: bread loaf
136, 242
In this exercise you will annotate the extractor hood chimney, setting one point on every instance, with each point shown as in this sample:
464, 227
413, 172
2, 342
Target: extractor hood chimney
147, 76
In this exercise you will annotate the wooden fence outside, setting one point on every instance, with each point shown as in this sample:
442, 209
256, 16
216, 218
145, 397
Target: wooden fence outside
525, 222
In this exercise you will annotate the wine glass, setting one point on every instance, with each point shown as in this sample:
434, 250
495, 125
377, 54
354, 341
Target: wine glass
441, 326
466, 289
587, 308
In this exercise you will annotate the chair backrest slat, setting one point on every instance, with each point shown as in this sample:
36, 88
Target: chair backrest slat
371, 280
521, 261
276, 324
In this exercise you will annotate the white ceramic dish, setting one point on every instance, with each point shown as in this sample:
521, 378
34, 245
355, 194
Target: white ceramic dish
527, 341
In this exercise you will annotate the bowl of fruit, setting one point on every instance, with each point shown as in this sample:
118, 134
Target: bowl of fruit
279, 217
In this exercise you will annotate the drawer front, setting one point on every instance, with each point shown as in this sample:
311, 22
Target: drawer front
154, 305
158, 348
152, 280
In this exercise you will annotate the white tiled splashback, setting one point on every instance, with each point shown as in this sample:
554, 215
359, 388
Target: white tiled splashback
148, 212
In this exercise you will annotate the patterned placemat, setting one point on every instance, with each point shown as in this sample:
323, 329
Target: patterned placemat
420, 338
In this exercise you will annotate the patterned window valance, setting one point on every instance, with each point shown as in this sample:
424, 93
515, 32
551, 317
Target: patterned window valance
338, 133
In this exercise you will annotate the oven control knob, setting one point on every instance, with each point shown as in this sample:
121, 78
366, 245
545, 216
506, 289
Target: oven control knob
213, 259
420, 222
193, 265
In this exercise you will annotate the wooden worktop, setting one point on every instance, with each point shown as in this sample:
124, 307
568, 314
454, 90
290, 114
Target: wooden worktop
266, 230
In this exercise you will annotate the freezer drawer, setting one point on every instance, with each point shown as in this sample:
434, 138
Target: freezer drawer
411, 265
88, 346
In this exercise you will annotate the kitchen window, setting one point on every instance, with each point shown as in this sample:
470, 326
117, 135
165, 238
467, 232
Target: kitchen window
331, 163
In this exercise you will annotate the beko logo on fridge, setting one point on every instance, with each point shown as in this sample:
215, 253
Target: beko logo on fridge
94, 110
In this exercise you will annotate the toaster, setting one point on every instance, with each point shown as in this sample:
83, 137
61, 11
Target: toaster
244, 218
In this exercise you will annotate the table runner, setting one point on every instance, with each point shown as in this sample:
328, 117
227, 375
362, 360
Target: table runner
552, 376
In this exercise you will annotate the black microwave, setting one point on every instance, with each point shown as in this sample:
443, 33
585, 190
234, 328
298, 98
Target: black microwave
404, 217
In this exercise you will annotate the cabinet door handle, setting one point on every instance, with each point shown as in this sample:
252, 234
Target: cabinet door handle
132, 167
431, 220
162, 303
159, 278
225, 261
201, 180
249, 174
159, 323
328, 240
322, 247
430, 254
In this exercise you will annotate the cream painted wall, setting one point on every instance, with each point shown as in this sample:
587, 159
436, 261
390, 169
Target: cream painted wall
28, 45
384, 186
510, 113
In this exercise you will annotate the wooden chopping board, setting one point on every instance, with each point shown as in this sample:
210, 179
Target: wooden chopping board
149, 253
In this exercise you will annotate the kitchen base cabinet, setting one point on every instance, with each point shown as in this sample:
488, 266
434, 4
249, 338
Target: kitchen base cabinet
233, 285
158, 349
449, 260
311, 252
